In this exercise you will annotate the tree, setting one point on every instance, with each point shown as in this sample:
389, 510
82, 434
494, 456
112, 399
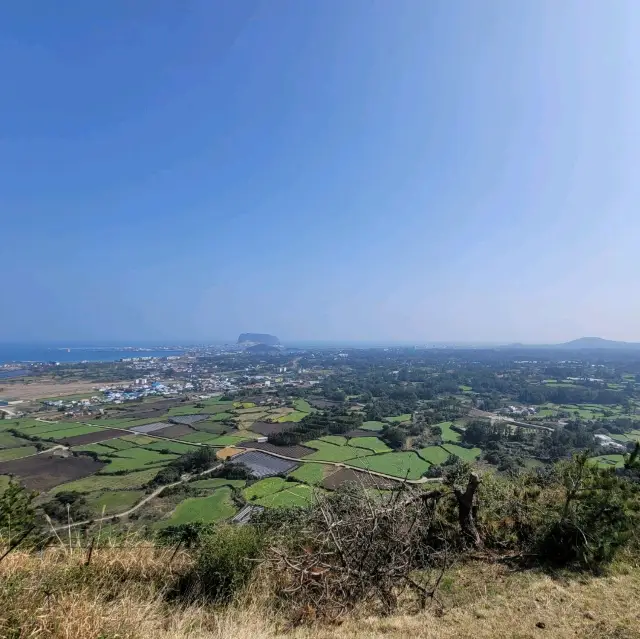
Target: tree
393, 437
17, 514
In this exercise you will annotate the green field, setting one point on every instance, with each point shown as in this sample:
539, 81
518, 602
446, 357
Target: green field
291, 495
467, 454
216, 507
337, 440
296, 416
217, 482
138, 440
172, 447
214, 428
398, 419
4, 482
608, 461
308, 473
199, 437
109, 482
7, 440
400, 464
218, 417
434, 454
465, 389
330, 452
244, 405
16, 453
375, 426
263, 488
115, 501
303, 406
134, 459
227, 440
117, 444
370, 443
449, 435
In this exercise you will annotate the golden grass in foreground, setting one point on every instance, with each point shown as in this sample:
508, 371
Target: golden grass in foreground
122, 595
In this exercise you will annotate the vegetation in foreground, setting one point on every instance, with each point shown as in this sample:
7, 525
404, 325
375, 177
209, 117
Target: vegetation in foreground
477, 556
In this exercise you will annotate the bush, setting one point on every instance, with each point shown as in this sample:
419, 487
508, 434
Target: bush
224, 562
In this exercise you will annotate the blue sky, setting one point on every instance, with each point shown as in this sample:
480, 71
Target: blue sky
360, 169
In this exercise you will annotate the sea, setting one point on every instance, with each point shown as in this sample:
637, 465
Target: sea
28, 353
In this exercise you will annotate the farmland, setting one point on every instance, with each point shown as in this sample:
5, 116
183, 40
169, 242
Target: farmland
400, 464
115, 501
428, 405
206, 509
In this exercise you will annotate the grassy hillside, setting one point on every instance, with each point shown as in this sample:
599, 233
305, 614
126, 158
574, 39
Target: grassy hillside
118, 596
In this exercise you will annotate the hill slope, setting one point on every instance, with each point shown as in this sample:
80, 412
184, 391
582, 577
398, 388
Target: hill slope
258, 338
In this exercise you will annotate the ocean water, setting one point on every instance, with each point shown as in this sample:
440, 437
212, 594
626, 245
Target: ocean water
68, 354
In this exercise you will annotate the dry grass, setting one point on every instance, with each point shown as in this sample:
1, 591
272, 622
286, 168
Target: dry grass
122, 595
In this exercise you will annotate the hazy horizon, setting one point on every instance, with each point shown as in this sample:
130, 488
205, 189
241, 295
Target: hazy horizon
415, 172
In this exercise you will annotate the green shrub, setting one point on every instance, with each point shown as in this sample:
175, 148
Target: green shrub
224, 562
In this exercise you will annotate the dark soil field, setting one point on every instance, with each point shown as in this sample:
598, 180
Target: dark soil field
345, 475
92, 438
360, 433
297, 452
267, 428
176, 431
43, 472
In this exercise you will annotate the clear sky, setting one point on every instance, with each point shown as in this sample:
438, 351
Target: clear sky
320, 169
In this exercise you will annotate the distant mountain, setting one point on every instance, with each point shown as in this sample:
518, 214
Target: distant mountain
258, 338
597, 343
262, 349
581, 344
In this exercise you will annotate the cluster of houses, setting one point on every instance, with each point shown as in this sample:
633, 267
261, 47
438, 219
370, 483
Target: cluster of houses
519, 410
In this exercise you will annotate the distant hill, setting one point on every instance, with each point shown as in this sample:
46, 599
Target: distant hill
597, 343
258, 338
262, 349
581, 344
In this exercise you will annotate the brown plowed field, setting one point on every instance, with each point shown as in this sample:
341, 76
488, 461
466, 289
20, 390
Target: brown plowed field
175, 431
43, 472
345, 475
267, 428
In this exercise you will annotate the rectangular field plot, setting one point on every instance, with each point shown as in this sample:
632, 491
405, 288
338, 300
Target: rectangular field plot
349, 475
434, 454
292, 495
402, 464
43, 472
375, 426
134, 459
110, 482
266, 428
467, 454
309, 473
190, 419
17, 453
263, 465
115, 501
101, 435
331, 452
145, 429
216, 507
370, 443
298, 451
449, 435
